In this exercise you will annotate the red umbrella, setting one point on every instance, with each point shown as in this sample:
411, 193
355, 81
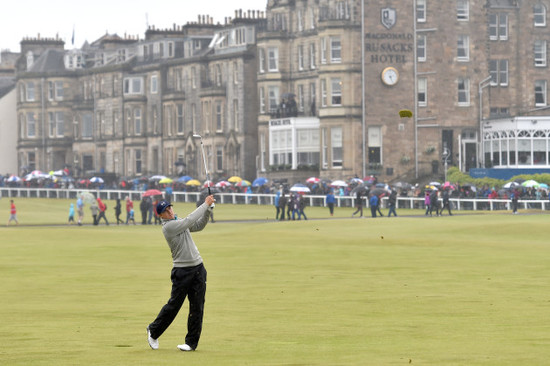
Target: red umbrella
152, 192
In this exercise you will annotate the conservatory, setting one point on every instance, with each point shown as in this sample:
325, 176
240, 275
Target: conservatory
520, 142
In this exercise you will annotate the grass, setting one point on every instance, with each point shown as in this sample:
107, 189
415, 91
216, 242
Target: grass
462, 290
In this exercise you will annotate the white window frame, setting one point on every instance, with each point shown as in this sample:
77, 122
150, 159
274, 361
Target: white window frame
542, 85
273, 59
337, 147
180, 119
312, 59
30, 92
463, 10
301, 98
323, 50
335, 50
31, 125
463, 44
273, 98
300, 20
421, 11
133, 85
539, 15
262, 99
154, 84
540, 53
421, 47
323, 92
300, 57
503, 72
261, 60
463, 89
219, 116
137, 121
422, 90
336, 92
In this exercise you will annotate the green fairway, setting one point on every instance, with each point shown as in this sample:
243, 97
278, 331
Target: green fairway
462, 290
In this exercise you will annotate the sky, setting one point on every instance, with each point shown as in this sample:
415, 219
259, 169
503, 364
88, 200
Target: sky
92, 19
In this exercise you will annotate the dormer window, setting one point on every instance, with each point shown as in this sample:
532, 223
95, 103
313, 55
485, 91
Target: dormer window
30, 60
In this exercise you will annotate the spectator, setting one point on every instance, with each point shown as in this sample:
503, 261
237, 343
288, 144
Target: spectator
102, 209
13, 214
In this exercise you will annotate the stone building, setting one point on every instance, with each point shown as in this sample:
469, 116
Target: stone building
313, 88
129, 107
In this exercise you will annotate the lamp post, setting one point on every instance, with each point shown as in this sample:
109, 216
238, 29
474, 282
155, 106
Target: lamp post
363, 127
482, 84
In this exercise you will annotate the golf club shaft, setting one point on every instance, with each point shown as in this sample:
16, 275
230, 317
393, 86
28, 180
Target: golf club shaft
205, 168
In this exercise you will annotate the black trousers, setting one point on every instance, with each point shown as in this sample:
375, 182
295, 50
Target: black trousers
187, 282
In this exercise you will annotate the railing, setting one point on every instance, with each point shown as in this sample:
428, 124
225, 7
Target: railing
459, 204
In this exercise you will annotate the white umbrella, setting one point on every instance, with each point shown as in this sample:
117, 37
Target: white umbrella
96, 180
511, 185
434, 184
530, 183
14, 178
339, 183
300, 188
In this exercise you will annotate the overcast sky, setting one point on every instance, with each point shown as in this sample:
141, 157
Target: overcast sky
92, 19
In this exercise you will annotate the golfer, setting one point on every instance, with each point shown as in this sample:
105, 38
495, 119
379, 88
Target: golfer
188, 273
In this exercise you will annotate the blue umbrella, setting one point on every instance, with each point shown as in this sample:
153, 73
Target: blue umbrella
184, 179
260, 181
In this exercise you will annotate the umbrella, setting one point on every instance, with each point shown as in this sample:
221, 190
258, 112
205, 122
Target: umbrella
222, 184
300, 188
339, 183
208, 183
431, 188
403, 185
379, 191
14, 178
234, 179
152, 192
313, 180
530, 183
243, 183
370, 179
96, 180
184, 179
360, 188
543, 185
36, 172
356, 180
448, 185
193, 182
59, 173
157, 177
87, 197
260, 181
165, 180
511, 185
437, 184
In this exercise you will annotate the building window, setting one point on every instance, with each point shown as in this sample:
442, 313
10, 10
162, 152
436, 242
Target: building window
463, 92
323, 50
300, 21
154, 84
273, 96
311, 18
540, 53
137, 121
273, 59
463, 48
335, 50
312, 97
422, 92
87, 125
194, 116
540, 93
193, 78
336, 145
138, 161
56, 124
498, 26
301, 98
262, 100
324, 148
336, 91
300, 57
312, 61
30, 92
219, 158
133, 85
261, 61
218, 75
539, 15
219, 117
31, 125
323, 92
421, 47
235, 73
51, 90
462, 10
375, 145
421, 11
236, 114
51, 118
179, 118
498, 70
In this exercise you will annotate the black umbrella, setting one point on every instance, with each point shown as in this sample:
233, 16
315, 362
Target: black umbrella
380, 191
360, 188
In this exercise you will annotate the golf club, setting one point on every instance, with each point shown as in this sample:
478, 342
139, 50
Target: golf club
197, 136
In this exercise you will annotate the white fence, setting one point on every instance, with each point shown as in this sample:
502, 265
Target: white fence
468, 204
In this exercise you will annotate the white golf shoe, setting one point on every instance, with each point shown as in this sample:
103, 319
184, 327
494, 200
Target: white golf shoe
154, 343
185, 347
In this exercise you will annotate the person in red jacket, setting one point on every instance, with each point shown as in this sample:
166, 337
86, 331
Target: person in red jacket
102, 209
13, 214
129, 207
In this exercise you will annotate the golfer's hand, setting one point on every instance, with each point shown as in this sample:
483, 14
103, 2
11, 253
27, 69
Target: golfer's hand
210, 200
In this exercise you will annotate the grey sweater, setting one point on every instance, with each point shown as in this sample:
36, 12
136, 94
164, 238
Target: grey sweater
178, 236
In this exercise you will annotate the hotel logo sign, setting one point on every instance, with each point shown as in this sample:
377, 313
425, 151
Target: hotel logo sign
388, 17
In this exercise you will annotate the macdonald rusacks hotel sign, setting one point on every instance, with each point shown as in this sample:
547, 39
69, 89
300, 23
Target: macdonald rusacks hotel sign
388, 47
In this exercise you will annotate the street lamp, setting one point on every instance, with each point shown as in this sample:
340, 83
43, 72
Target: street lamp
482, 84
